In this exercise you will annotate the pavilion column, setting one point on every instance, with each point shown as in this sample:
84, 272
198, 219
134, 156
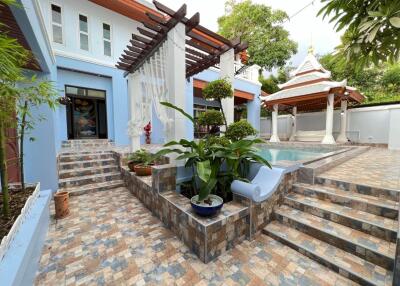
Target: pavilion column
294, 125
342, 138
328, 139
133, 88
177, 82
274, 136
228, 72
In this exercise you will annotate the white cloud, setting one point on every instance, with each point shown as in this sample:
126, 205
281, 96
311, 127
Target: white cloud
302, 28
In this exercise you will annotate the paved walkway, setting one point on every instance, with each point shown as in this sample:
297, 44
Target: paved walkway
110, 238
377, 167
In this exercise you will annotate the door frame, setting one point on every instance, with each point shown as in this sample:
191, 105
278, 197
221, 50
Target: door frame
69, 115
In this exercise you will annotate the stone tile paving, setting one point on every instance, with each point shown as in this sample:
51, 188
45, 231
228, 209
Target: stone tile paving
378, 167
110, 238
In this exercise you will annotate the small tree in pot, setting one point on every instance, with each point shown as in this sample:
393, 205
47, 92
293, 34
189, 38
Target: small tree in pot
213, 119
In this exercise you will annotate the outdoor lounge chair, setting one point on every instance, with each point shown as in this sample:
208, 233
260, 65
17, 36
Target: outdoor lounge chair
264, 183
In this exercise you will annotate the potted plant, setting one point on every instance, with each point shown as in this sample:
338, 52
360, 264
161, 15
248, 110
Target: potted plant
138, 157
206, 157
143, 169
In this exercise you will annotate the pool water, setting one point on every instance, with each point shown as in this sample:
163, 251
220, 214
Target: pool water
274, 155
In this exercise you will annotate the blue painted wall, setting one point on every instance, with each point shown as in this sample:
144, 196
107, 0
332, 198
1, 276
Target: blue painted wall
83, 80
117, 109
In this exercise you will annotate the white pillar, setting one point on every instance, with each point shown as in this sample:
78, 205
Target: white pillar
328, 139
294, 125
228, 72
342, 138
134, 96
176, 80
274, 136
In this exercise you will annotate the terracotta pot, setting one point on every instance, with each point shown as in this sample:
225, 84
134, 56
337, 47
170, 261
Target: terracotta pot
142, 170
131, 166
61, 200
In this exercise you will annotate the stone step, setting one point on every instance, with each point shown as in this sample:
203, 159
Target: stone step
90, 179
84, 157
86, 164
77, 172
393, 195
80, 190
378, 226
338, 260
371, 204
69, 152
368, 247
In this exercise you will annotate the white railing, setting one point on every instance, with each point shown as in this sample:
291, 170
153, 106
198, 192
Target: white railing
246, 73
6, 241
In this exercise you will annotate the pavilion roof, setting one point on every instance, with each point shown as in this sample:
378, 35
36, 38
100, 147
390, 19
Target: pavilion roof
308, 88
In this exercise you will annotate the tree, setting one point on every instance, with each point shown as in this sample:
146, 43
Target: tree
378, 83
261, 27
372, 29
31, 95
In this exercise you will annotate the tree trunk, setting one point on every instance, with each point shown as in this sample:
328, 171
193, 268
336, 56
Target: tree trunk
223, 114
21, 147
3, 171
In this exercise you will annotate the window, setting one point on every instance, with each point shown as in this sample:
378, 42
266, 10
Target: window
83, 32
56, 23
107, 39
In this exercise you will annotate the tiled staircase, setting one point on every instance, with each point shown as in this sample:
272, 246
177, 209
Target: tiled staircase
350, 232
86, 166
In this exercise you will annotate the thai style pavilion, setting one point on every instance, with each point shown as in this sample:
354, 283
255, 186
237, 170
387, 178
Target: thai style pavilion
311, 89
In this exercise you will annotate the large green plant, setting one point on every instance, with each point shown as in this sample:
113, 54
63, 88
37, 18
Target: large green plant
372, 29
215, 162
211, 118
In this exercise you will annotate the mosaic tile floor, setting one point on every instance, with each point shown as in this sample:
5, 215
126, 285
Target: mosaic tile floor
378, 167
110, 238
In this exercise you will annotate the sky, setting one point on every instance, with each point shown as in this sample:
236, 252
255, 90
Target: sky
304, 28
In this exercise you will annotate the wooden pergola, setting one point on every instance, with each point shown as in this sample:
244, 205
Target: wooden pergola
311, 89
203, 47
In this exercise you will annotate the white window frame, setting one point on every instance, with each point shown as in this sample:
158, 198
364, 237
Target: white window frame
57, 24
83, 32
107, 40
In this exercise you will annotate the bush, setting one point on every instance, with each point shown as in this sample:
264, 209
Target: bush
239, 130
217, 140
140, 156
217, 90
211, 118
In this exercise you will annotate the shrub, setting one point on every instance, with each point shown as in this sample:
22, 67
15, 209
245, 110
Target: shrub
140, 156
217, 140
217, 90
240, 130
211, 118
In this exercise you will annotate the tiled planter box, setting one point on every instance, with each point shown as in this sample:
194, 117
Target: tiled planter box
207, 237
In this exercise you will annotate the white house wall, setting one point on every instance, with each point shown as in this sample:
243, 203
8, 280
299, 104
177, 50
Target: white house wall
121, 30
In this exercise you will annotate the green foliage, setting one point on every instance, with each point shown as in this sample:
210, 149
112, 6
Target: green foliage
378, 83
141, 156
211, 118
206, 156
240, 130
372, 29
261, 27
218, 89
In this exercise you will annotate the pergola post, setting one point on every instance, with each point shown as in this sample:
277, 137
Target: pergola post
176, 80
228, 72
342, 138
294, 124
274, 136
133, 92
328, 139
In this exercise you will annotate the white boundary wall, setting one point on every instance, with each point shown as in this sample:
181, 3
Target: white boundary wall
377, 124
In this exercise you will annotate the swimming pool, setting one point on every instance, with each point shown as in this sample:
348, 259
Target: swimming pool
274, 155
